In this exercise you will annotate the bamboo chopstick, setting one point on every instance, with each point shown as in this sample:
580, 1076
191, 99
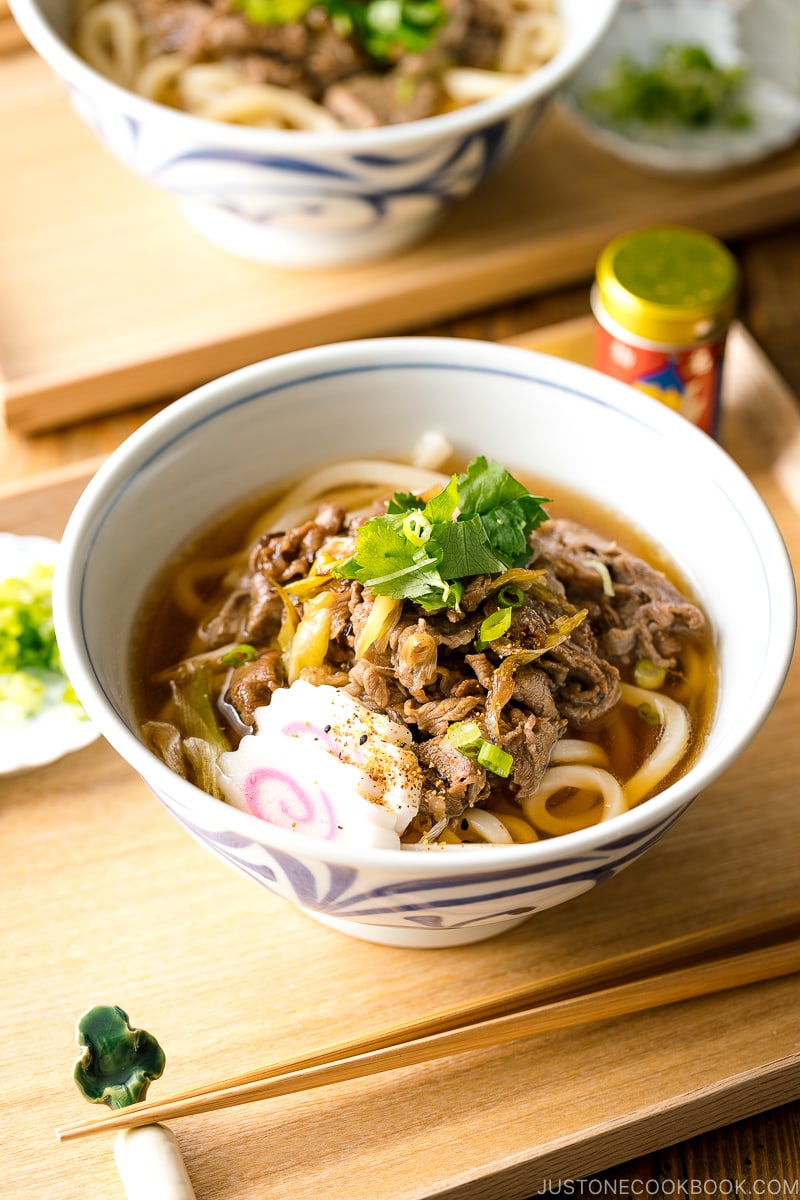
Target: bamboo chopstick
715, 960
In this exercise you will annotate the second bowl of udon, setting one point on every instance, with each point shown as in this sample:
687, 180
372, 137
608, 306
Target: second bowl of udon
422, 722
313, 134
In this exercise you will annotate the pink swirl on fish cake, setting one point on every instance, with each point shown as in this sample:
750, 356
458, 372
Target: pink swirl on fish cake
301, 729
278, 798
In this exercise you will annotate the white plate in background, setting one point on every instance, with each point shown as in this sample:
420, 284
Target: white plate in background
58, 727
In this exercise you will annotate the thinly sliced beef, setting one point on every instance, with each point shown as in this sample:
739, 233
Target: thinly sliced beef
377, 688
367, 101
177, 26
436, 716
586, 686
306, 56
457, 782
522, 715
253, 683
229, 622
289, 555
431, 670
645, 617
529, 740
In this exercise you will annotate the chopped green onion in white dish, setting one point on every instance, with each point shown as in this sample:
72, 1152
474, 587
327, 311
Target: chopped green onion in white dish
689, 89
41, 719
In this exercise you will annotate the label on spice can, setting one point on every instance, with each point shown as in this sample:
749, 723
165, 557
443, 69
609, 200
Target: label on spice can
687, 380
663, 300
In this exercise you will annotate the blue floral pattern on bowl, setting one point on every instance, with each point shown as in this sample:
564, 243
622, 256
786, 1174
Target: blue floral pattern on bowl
289, 206
358, 898
312, 199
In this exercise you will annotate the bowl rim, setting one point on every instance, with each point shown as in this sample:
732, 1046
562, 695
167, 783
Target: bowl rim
268, 375
542, 83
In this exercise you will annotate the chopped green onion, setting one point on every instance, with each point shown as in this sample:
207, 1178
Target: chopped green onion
464, 736
417, 528
422, 12
681, 86
21, 695
511, 596
238, 655
494, 626
597, 564
452, 593
405, 89
649, 714
273, 12
29, 654
384, 15
343, 24
494, 759
647, 675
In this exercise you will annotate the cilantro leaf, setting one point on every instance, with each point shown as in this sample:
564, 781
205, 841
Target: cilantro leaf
405, 502
507, 529
389, 564
476, 525
508, 511
445, 505
466, 550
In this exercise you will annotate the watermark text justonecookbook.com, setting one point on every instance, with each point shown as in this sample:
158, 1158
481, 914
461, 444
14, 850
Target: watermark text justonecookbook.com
745, 1189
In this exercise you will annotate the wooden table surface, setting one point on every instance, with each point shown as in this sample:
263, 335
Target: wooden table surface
756, 1157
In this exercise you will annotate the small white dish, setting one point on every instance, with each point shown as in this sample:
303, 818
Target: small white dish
754, 34
58, 727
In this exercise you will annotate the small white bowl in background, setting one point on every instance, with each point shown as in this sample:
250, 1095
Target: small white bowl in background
551, 419
311, 199
57, 727
760, 35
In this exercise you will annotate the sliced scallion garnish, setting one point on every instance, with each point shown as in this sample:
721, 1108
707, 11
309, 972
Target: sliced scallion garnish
495, 759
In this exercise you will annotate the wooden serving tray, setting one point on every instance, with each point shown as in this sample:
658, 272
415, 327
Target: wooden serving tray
106, 900
109, 298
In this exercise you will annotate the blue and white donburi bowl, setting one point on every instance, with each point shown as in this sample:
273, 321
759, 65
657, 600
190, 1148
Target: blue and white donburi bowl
309, 199
540, 417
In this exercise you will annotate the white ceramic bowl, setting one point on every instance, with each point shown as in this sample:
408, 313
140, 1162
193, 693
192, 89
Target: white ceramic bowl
761, 35
537, 414
306, 199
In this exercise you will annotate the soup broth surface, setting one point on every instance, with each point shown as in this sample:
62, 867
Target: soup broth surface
189, 596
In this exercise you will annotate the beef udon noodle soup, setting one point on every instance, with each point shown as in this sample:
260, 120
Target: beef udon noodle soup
395, 657
317, 64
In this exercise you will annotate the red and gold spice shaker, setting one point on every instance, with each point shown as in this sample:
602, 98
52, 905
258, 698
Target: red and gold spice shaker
663, 300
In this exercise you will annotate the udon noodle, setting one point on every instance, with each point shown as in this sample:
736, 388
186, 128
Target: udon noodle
316, 64
416, 708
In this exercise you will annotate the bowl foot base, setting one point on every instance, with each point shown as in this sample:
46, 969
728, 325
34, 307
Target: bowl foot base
414, 938
272, 245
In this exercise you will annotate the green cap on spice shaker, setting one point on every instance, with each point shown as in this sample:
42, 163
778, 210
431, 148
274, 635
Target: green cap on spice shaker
668, 284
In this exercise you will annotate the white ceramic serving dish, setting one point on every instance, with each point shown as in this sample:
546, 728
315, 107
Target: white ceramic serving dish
311, 199
375, 398
760, 35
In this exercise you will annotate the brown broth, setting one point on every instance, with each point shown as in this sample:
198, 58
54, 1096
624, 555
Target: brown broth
165, 635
